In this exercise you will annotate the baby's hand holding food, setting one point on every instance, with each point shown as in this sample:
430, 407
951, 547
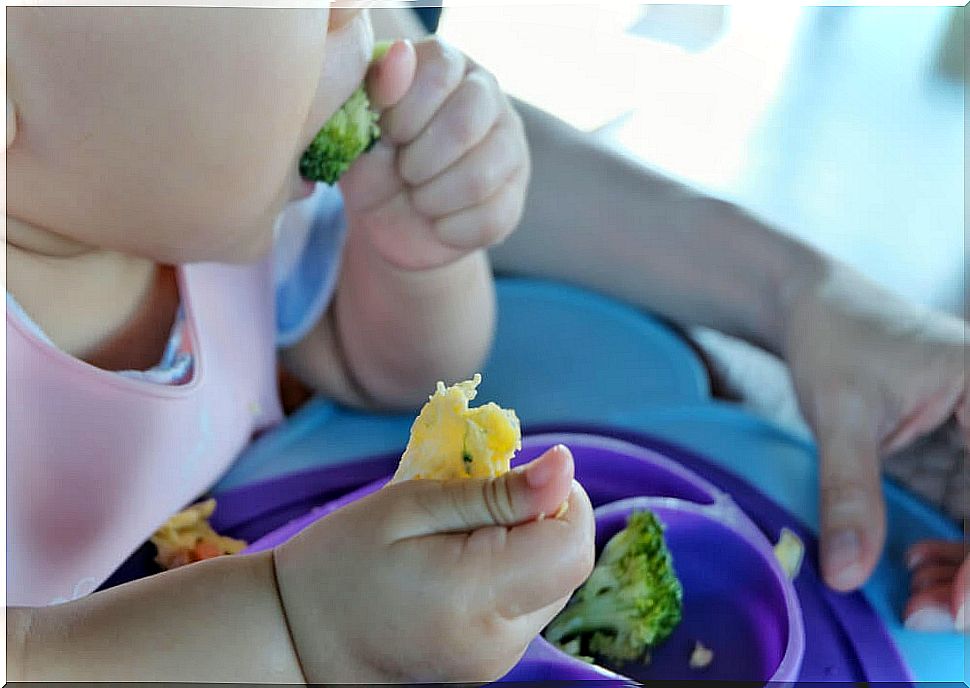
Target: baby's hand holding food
431, 580
449, 173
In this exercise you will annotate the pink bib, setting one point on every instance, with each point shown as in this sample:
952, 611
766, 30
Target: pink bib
97, 461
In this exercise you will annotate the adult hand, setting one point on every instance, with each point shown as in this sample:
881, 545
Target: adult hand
873, 373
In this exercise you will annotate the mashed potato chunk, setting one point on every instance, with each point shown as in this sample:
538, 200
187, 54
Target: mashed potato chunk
449, 440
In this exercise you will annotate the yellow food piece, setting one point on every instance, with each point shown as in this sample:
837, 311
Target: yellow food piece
187, 537
449, 440
789, 552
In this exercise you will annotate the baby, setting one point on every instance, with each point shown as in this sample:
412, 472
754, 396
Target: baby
150, 153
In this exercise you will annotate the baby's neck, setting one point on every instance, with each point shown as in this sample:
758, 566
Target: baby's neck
109, 309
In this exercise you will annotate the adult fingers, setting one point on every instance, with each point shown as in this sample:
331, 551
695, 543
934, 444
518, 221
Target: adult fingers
852, 509
936, 552
961, 596
930, 575
929, 610
963, 417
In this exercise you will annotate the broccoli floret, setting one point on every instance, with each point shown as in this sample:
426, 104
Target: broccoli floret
631, 602
351, 130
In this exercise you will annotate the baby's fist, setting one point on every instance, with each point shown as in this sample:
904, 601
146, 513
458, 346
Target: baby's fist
429, 581
451, 171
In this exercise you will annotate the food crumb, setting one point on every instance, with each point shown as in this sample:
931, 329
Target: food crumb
561, 511
701, 657
790, 550
187, 537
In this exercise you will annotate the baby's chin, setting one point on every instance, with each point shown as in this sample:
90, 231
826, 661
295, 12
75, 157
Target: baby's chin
257, 241
245, 247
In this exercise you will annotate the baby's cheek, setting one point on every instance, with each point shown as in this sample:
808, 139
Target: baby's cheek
163, 131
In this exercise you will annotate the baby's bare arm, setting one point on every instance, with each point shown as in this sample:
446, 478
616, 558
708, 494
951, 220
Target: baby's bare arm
389, 334
415, 302
215, 621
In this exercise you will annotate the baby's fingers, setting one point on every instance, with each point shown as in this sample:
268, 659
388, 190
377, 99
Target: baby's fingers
477, 176
488, 223
430, 507
538, 564
390, 76
440, 69
528, 626
463, 121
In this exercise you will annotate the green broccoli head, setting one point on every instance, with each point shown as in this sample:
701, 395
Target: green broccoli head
631, 602
349, 132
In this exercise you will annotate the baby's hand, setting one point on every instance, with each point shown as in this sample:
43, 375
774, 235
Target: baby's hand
428, 581
450, 172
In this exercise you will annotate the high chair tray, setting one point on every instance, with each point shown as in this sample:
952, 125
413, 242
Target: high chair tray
720, 529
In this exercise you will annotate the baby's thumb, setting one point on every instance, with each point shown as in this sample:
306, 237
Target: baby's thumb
391, 73
523, 494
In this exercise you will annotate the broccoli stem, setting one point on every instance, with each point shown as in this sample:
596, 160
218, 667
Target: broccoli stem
598, 614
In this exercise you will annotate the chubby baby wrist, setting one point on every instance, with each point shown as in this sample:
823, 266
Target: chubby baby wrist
284, 616
319, 648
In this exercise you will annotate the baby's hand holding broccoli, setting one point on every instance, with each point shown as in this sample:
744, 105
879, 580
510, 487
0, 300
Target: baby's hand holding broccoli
351, 131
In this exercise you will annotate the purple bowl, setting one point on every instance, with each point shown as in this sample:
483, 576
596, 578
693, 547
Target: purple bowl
542, 662
611, 469
740, 605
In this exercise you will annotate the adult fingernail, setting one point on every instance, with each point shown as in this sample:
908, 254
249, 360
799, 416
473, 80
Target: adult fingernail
541, 471
930, 619
842, 553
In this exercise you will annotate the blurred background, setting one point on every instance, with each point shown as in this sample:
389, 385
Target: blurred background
843, 125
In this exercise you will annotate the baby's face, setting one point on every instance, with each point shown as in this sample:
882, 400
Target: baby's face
171, 133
